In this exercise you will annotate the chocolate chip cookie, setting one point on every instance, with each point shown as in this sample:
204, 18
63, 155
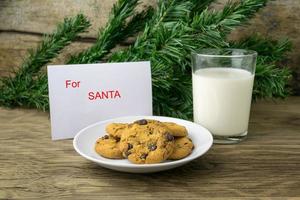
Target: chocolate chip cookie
116, 129
146, 142
109, 147
175, 129
182, 148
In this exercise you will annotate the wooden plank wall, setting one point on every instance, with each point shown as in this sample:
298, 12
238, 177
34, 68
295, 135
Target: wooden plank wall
22, 23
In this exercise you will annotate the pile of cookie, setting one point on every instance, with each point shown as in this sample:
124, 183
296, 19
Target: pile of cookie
145, 141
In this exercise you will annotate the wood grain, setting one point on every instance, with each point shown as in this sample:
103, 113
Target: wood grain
265, 166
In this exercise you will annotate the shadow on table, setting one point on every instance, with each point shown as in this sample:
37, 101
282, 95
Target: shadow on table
197, 168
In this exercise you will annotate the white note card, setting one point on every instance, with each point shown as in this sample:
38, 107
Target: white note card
81, 95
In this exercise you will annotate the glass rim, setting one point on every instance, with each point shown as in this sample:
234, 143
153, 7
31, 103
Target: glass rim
209, 52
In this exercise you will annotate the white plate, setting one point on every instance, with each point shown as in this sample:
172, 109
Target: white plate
85, 140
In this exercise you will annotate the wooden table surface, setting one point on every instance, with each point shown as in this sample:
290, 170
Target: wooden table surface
266, 165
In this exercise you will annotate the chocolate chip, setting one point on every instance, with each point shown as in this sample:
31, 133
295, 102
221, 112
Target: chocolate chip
105, 137
169, 137
118, 139
141, 122
143, 156
152, 147
130, 146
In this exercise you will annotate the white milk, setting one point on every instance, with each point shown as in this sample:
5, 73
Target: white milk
222, 99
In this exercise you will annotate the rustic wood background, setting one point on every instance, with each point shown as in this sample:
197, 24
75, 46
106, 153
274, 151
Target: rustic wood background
24, 21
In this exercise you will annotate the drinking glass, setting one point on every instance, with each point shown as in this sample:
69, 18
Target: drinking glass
222, 91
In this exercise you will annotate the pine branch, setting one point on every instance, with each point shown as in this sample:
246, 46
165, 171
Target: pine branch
13, 89
176, 10
168, 14
234, 13
113, 32
137, 23
160, 31
267, 48
203, 23
199, 6
178, 101
25, 92
271, 81
52, 44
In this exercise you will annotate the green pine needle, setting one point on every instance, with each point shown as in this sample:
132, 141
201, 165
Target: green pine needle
52, 44
19, 90
112, 33
271, 81
267, 48
234, 13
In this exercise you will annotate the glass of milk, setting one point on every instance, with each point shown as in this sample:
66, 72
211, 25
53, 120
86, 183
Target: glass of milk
222, 91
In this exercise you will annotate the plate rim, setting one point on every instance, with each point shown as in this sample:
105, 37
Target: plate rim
132, 165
